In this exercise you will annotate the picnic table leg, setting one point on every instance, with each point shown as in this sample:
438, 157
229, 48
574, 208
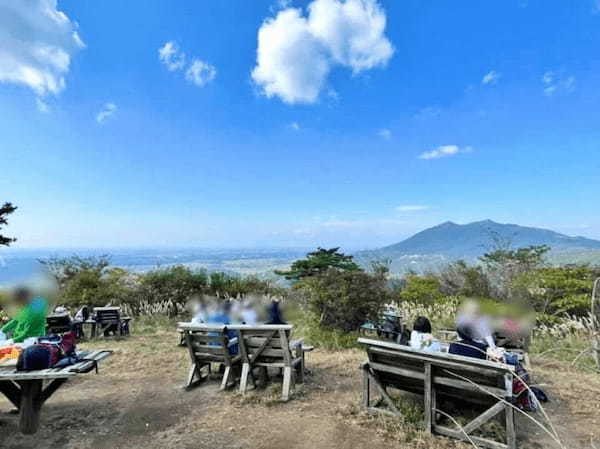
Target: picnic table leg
12, 392
29, 411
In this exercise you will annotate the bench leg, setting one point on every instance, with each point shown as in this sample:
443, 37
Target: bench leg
511, 434
244, 377
29, 411
287, 380
226, 376
428, 406
191, 375
366, 387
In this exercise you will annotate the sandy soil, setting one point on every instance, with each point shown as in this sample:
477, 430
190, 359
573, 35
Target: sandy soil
137, 401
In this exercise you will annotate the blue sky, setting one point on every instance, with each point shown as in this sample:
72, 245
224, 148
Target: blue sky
360, 123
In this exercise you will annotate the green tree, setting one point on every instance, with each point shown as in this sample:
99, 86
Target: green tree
461, 279
5, 210
344, 300
559, 290
504, 265
421, 289
65, 269
318, 262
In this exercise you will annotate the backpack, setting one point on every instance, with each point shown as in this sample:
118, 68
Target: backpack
38, 357
47, 352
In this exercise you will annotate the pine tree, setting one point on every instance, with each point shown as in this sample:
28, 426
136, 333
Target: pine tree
6, 210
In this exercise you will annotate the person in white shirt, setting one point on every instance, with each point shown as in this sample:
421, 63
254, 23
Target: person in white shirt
421, 337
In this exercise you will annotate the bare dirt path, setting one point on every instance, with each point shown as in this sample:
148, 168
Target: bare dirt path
137, 402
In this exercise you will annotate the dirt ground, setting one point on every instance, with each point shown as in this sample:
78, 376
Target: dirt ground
137, 401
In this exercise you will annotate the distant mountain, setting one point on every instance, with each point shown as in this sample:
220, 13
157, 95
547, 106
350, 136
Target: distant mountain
450, 241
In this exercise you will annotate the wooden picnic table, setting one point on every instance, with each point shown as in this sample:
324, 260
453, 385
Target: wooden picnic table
29, 390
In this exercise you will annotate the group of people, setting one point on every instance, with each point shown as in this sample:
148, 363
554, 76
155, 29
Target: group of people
475, 336
476, 339
232, 311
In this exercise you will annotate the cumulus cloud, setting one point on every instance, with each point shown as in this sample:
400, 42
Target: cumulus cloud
170, 55
37, 42
444, 151
296, 52
411, 208
107, 110
554, 82
490, 78
200, 72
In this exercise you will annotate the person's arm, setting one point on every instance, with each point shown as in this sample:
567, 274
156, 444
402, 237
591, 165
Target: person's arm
8, 327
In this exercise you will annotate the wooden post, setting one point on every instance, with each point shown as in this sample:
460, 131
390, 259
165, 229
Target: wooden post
429, 412
29, 412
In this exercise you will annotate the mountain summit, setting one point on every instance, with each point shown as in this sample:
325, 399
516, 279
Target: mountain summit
471, 240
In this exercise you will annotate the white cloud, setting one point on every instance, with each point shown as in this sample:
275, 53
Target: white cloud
170, 55
554, 83
411, 208
41, 105
295, 126
200, 72
37, 42
490, 77
444, 151
107, 110
385, 133
296, 52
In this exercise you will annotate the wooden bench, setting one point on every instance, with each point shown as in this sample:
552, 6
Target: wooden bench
29, 390
269, 346
209, 343
441, 375
58, 323
109, 319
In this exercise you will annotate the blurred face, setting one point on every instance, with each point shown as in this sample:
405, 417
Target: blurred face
22, 296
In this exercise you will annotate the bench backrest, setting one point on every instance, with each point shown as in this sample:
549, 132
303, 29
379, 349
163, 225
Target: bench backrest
404, 368
265, 344
105, 314
207, 343
58, 323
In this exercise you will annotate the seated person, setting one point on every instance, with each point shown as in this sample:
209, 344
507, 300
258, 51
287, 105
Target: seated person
30, 320
275, 314
223, 316
475, 333
421, 337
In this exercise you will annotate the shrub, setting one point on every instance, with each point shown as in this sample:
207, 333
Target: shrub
344, 300
421, 289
